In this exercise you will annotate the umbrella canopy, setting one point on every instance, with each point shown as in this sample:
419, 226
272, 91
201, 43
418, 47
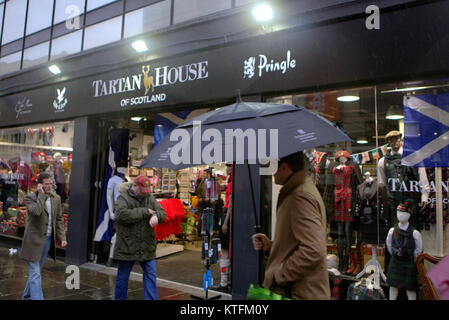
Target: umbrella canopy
244, 131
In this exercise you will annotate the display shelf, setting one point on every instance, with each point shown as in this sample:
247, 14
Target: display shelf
12, 144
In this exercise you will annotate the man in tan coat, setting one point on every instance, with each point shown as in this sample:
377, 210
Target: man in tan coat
296, 264
45, 225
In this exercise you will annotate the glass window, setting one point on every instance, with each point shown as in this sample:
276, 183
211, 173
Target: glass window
150, 18
39, 15
10, 63
35, 55
66, 45
103, 33
67, 9
1, 17
92, 4
190, 9
243, 2
24, 153
14, 20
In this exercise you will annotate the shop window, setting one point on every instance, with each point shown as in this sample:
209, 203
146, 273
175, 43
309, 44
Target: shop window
14, 23
35, 55
24, 153
93, 4
103, 33
156, 16
66, 45
10, 63
189, 9
244, 2
39, 15
66, 9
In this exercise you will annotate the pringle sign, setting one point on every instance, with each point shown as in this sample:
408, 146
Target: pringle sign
148, 85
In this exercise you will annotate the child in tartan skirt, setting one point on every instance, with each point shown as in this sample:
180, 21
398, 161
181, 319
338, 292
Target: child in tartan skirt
404, 244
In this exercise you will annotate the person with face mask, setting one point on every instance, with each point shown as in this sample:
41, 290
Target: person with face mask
404, 244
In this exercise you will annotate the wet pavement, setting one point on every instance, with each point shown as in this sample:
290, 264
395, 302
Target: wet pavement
97, 282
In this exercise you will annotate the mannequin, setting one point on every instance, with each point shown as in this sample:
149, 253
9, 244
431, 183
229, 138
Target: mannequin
112, 194
9, 192
404, 243
59, 176
318, 162
392, 176
346, 178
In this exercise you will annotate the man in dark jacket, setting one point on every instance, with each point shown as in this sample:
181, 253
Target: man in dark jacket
45, 225
137, 213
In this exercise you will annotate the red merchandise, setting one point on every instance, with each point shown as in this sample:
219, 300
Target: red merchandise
174, 210
343, 193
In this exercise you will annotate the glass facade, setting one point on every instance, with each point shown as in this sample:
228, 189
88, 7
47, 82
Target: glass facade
393, 159
66, 45
103, 33
69, 16
39, 15
14, 23
24, 153
35, 55
190, 9
147, 19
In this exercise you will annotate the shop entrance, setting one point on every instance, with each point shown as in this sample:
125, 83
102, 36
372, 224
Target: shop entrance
181, 249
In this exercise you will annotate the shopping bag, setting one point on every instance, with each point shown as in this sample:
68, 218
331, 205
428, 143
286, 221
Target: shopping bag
256, 292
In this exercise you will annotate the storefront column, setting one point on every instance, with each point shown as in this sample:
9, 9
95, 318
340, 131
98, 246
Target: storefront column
80, 191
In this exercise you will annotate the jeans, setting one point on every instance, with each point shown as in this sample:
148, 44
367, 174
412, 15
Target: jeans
149, 279
33, 289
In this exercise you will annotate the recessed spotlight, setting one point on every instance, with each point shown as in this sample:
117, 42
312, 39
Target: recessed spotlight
159, 125
136, 118
263, 12
54, 69
348, 98
139, 46
362, 141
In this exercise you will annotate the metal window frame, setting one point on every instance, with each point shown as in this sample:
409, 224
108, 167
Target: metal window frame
51, 30
24, 33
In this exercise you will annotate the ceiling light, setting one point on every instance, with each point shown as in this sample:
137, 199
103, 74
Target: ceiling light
159, 125
139, 46
362, 140
395, 113
136, 118
54, 69
262, 12
348, 98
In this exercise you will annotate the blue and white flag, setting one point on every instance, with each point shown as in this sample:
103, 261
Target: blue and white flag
164, 123
116, 155
426, 131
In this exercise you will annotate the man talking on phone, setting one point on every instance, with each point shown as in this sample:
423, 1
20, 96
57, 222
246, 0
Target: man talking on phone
45, 225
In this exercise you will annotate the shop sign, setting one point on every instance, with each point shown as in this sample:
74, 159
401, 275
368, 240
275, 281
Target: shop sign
61, 101
23, 106
148, 80
267, 65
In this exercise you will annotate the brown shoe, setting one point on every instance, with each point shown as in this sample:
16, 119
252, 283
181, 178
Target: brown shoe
357, 269
352, 264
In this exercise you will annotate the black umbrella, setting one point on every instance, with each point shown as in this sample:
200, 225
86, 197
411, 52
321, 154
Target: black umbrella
251, 132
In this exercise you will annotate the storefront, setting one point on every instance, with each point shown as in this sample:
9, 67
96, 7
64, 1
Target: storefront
311, 67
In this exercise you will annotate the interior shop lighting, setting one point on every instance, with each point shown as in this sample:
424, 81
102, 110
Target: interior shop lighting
136, 118
139, 46
54, 69
262, 12
348, 98
395, 113
159, 125
415, 88
362, 140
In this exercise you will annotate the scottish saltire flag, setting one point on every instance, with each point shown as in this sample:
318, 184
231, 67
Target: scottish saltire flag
426, 130
164, 123
116, 155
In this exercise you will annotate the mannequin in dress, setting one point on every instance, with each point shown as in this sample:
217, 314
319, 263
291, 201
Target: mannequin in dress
404, 244
346, 180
